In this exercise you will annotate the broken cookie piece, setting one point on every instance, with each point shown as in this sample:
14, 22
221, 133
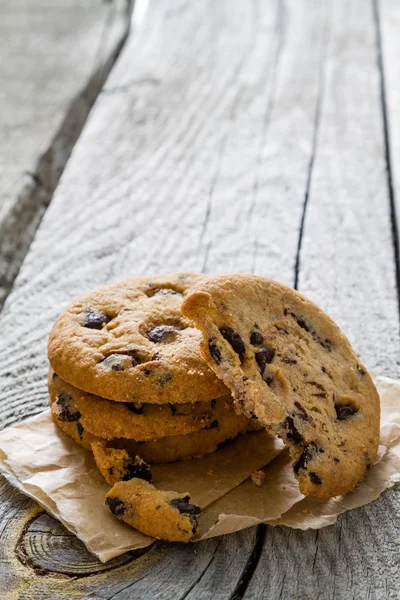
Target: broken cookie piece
163, 515
287, 363
117, 465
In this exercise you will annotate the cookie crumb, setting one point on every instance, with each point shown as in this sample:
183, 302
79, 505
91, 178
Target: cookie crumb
257, 477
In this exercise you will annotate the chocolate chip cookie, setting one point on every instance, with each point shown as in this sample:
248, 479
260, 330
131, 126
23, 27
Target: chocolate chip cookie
129, 342
164, 515
290, 365
140, 421
168, 449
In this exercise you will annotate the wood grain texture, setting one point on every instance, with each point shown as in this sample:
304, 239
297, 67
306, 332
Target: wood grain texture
199, 154
387, 15
347, 266
54, 59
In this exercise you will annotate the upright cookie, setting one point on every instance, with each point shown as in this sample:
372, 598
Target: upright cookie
164, 515
288, 363
141, 421
129, 342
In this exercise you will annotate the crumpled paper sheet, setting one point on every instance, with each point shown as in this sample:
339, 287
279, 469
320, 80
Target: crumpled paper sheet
42, 462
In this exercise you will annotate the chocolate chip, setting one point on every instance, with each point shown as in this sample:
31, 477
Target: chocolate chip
213, 425
315, 479
327, 344
153, 291
137, 468
54, 376
323, 369
214, 351
80, 430
344, 412
182, 504
256, 338
94, 320
302, 413
65, 412
305, 457
213, 404
135, 407
232, 336
162, 333
164, 378
299, 320
289, 361
291, 431
116, 506
264, 357
119, 362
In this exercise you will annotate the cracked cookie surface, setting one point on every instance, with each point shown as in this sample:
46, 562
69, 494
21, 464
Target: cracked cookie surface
129, 342
288, 363
140, 421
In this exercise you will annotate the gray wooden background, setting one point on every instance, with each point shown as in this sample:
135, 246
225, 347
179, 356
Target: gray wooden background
259, 136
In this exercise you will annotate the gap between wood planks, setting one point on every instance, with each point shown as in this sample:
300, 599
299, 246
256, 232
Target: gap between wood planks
20, 227
388, 159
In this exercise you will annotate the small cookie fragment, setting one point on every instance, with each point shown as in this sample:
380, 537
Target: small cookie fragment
257, 477
117, 465
163, 515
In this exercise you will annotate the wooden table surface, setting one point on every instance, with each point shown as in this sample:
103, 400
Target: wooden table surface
258, 136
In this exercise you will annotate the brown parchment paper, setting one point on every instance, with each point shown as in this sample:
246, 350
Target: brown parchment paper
42, 462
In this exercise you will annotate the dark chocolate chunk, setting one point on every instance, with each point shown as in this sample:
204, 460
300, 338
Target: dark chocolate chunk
135, 407
213, 425
119, 362
344, 411
213, 404
327, 344
116, 506
164, 378
232, 336
214, 351
291, 431
182, 504
162, 333
256, 338
264, 357
94, 320
153, 291
305, 457
302, 413
66, 412
315, 479
80, 430
137, 468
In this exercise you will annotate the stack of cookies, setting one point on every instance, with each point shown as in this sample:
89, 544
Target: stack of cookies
128, 383
167, 368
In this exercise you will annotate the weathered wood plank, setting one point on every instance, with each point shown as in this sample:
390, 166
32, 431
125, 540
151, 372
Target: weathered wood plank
54, 58
387, 14
213, 113
196, 155
347, 265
